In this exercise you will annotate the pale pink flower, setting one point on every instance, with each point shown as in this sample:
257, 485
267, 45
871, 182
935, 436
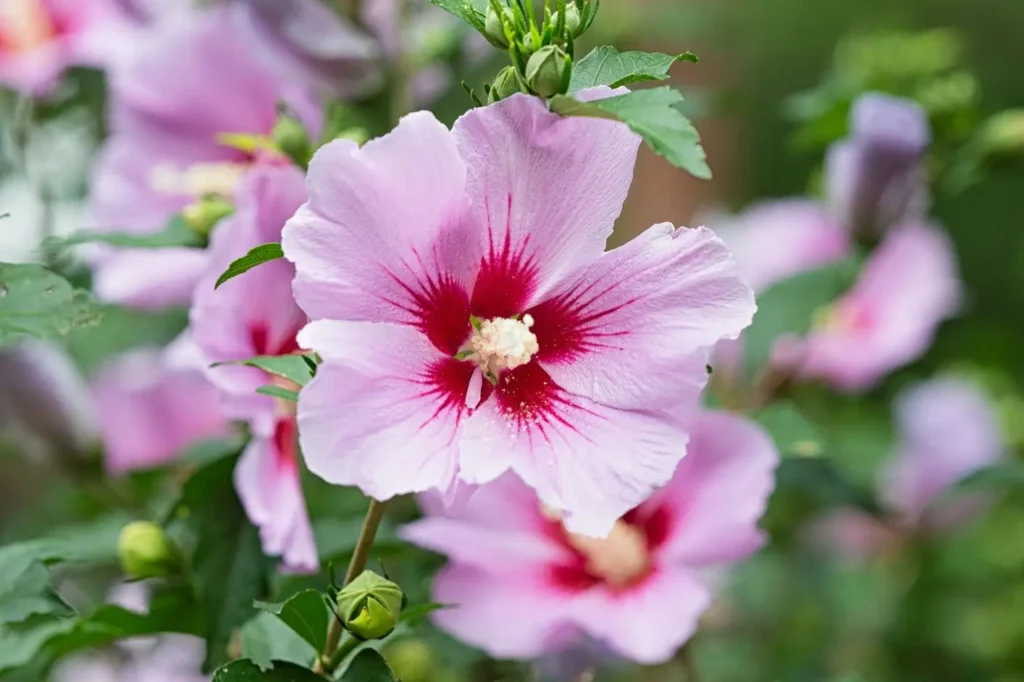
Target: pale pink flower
947, 430
503, 220
522, 586
248, 316
150, 409
908, 287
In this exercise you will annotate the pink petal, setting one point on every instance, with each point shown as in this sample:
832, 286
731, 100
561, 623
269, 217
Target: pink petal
593, 461
852, 535
268, 485
382, 237
506, 616
149, 278
648, 622
889, 318
546, 189
719, 491
384, 410
629, 329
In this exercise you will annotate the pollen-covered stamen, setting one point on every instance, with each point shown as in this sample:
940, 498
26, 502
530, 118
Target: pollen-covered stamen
619, 559
502, 343
24, 25
198, 180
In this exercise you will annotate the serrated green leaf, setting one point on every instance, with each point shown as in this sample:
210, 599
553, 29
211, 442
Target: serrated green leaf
27, 592
35, 302
263, 253
294, 368
279, 392
368, 666
20, 644
607, 66
653, 115
789, 307
176, 233
247, 671
266, 639
306, 613
472, 12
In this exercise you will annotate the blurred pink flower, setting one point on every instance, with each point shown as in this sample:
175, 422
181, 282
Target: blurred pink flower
40, 38
195, 77
431, 256
522, 586
150, 409
908, 287
248, 316
947, 430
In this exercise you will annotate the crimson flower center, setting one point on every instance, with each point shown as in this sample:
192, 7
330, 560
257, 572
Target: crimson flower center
619, 559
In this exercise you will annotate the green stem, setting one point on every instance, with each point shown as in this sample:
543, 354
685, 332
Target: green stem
343, 650
330, 658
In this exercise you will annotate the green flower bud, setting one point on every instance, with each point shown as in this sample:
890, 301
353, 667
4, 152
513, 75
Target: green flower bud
412, 660
204, 214
145, 551
548, 71
573, 20
494, 27
369, 606
528, 45
1003, 134
291, 138
505, 85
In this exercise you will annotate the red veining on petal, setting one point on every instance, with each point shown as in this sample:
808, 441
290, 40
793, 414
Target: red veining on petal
529, 399
507, 276
438, 304
285, 442
445, 382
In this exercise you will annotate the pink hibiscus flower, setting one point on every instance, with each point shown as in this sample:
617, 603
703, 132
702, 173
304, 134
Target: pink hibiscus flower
256, 315
522, 586
441, 262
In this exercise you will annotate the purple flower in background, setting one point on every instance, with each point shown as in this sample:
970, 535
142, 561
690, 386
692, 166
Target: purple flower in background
523, 586
947, 430
470, 321
150, 407
889, 318
250, 316
195, 78
875, 177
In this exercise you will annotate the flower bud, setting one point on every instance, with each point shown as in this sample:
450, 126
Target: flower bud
548, 71
291, 138
494, 27
1003, 134
369, 606
573, 20
204, 214
145, 551
505, 85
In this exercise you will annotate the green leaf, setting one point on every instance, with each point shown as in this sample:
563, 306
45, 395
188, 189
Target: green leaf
793, 434
998, 476
278, 392
176, 233
266, 639
306, 613
37, 303
414, 615
653, 115
228, 565
823, 481
19, 644
789, 307
471, 11
28, 592
256, 256
607, 66
368, 666
294, 368
247, 671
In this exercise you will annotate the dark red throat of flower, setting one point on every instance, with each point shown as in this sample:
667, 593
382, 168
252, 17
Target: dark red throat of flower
285, 442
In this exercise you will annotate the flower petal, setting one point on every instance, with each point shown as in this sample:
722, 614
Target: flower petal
546, 189
149, 278
382, 238
593, 461
627, 331
649, 622
384, 409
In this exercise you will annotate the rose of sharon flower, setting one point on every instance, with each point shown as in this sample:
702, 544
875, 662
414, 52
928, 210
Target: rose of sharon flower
150, 408
196, 78
947, 431
470, 323
40, 38
522, 586
256, 315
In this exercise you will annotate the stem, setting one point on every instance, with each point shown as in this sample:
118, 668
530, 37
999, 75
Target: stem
689, 665
401, 74
329, 658
343, 650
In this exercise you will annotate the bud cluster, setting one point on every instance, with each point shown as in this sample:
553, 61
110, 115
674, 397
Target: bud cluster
541, 47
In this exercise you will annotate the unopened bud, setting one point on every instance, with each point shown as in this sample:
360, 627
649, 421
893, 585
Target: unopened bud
1003, 134
505, 85
204, 214
145, 551
494, 27
573, 20
370, 605
291, 138
548, 71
